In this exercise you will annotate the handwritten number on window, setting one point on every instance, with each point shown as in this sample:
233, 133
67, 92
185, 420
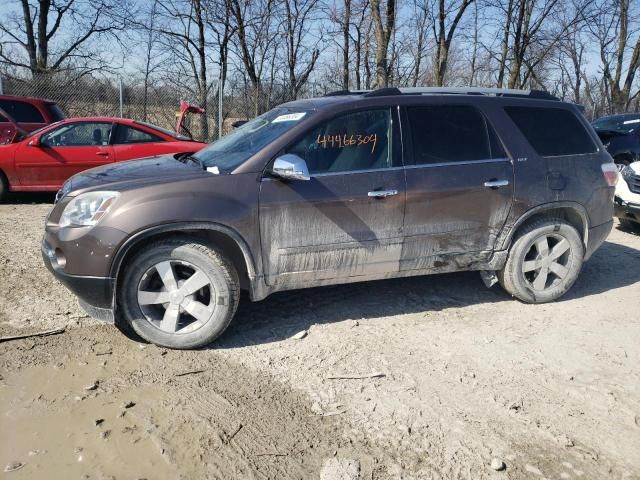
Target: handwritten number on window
344, 140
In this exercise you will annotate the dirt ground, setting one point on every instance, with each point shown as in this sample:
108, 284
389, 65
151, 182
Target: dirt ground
456, 375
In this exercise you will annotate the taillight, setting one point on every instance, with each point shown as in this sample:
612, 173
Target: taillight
610, 172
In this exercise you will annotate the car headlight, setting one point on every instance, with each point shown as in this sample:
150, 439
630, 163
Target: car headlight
627, 172
87, 209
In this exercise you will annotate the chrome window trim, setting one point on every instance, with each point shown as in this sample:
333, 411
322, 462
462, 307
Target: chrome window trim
466, 162
350, 172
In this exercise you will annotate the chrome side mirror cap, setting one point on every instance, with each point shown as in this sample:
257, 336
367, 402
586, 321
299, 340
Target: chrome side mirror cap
290, 167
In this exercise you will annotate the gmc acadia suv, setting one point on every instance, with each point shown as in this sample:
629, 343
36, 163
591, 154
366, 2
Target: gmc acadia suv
344, 188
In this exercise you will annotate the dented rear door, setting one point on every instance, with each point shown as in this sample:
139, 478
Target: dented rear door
459, 186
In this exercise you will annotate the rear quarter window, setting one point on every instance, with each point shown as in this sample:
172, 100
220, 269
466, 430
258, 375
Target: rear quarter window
552, 132
22, 112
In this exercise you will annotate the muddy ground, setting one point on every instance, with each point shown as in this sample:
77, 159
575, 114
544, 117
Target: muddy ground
466, 375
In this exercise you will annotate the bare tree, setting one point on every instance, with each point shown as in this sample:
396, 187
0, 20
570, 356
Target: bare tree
299, 14
613, 30
52, 36
346, 38
445, 22
384, 26
151, 63
255, 38
419, 26
183, 32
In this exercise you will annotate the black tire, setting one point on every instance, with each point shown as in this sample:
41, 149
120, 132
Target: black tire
4, 186
520, 284
222, 292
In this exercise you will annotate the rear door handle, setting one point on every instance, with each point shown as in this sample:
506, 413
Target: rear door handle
105, 154
382, 193
496, 183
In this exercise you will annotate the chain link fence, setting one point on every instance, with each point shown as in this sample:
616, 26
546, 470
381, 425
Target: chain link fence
155, 102
121, 97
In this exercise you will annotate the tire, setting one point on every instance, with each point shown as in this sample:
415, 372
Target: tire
546, 275
4, 186
179, 294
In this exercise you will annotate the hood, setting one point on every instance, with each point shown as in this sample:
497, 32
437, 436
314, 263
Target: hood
606, 135
134, 173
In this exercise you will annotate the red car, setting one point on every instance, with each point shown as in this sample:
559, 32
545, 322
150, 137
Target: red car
44, 159
24, 114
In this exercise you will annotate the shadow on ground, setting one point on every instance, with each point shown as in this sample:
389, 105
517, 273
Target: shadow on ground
283, 314
23, 198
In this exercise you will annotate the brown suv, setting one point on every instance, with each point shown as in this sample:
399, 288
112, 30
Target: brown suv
344, 188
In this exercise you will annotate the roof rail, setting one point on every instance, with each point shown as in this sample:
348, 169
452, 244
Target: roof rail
497, 92
339, 93
383, 92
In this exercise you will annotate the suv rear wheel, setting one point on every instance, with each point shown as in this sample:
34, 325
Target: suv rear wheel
544, 261
179, 294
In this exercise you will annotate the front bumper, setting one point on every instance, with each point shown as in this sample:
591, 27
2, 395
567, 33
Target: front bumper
627, 210
95, 294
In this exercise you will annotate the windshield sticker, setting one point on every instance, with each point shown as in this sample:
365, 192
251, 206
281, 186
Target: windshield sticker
342, 141
289, 117
637, 120
215, 170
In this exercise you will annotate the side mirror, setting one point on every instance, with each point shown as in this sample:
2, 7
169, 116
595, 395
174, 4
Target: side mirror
290, 167
34, 142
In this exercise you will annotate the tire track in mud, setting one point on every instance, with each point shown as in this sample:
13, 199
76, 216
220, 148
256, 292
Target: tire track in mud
223, 422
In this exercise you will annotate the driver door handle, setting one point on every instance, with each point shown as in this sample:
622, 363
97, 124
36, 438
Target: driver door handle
496, 183
382, 193
105, 154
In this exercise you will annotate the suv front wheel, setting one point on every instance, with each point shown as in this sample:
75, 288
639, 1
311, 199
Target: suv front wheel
179, 294
544, 261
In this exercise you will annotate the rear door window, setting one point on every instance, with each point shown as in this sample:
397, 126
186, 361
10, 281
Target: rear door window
22, 112
552, 132
450, 133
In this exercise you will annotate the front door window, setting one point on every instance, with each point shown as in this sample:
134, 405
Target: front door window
78, 135
356, 141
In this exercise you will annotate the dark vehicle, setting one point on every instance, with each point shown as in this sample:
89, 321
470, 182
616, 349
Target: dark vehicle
25, 115
344, 188
620, 135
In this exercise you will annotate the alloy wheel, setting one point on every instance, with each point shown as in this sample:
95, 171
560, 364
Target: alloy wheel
547, 262
176, 296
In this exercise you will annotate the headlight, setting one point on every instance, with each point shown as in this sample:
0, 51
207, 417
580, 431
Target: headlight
87, 209
627, 172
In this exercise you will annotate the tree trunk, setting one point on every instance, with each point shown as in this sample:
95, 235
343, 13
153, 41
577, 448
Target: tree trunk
383, 35
346, 23
505, 45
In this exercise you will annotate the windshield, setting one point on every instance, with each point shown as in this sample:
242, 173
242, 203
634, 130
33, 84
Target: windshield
619, 124
236, 147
